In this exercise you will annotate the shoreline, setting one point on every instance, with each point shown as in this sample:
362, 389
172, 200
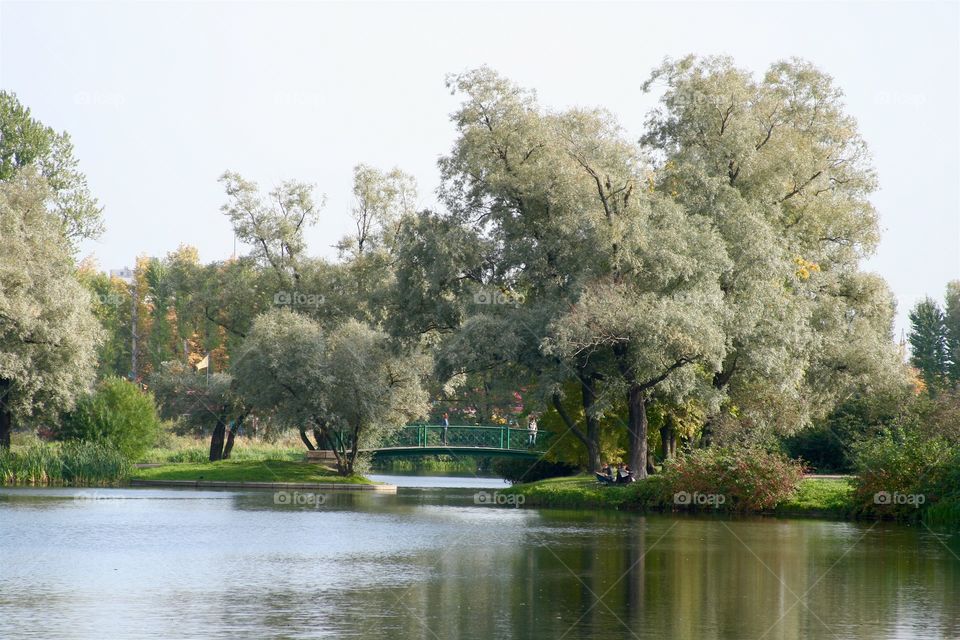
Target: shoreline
235, 484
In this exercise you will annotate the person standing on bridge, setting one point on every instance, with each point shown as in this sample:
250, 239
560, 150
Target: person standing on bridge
532, 431
446, 425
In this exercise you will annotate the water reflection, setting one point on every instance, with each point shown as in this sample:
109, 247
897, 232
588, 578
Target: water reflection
432, 564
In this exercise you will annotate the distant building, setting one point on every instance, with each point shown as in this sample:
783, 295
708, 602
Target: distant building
124, 274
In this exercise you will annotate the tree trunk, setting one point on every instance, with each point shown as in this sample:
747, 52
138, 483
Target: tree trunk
637, 430
217, 438
228, 448
668, 438
706, 437
592, 446
305, 439
6, 416
593, 425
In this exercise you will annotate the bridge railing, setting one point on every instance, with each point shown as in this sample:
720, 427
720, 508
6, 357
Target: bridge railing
474, 436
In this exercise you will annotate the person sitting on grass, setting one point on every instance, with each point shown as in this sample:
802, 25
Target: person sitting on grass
605, 475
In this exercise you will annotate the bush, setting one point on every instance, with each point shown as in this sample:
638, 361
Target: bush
117, 414
734, 479
70, 463
902, 473
518, 470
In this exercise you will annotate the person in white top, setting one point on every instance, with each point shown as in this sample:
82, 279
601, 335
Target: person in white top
532, 432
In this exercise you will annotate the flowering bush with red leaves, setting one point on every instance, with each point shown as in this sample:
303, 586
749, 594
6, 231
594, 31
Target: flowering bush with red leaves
734, 479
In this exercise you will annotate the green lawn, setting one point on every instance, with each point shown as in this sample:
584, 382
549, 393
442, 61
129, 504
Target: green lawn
820, 496
583, 491
245, 471
814, 496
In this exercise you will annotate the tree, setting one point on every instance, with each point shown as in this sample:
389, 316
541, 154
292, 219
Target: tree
48, 334
382, 201
928, 343
783, 175
578, 250
272, 225
202, 401
345, 387
951, 320
25, 141
119, 414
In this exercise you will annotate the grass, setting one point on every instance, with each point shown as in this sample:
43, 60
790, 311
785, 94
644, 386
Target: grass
245, 471
814, 496
820, 497
191, 449
36, 463
583, 491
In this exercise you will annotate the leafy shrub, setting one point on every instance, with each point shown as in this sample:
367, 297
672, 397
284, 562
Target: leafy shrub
519, 470
67, 463
902, 473
737, 479
117, 414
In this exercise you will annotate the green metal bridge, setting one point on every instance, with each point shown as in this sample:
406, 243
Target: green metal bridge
462, 440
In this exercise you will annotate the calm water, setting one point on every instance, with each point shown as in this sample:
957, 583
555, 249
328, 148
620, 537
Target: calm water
431, 564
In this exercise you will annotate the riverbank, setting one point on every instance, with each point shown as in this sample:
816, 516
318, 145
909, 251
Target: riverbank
245, 471
814, 497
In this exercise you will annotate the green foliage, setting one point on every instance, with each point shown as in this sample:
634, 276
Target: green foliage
26, 142
48, 334
67, 463
348, 386
447, 464
928, 343
747, 479
827, 446
781, 172
903, 472
519, 470
117, 414
951, 321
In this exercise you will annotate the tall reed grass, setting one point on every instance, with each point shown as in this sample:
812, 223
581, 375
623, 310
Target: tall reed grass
61, 464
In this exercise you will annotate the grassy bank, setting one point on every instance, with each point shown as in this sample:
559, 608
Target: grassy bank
245, 471
814, 497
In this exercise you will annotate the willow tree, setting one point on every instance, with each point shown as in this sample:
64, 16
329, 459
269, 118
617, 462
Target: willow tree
272, 224
345, 388
586, 276
48, 333
782, 173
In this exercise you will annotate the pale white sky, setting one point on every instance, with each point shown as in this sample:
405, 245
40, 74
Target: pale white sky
162, 97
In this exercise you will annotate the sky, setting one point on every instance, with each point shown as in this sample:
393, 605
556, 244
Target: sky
161, 98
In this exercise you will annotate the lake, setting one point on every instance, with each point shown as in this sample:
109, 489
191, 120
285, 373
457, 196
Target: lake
431, 563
